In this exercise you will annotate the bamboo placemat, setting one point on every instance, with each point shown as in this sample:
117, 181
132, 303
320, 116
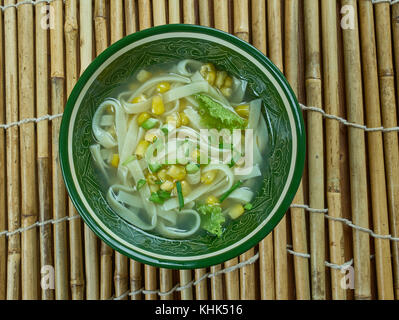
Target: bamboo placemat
340, 239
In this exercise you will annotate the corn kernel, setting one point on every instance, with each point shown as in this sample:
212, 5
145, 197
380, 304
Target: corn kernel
150, 136
208, 71
158, 106
163, 87
143, 76
162, 175
141, 148
115, 161
227, 92
228, 82
184, 119
152, 179
167, 186
138, 99
236, 211
177, 172
220, 78
174, 120
208, 177
185, 188
143, 117
154, 188
243, 110
212, 200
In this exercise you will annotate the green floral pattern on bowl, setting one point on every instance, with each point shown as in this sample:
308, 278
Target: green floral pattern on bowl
284, 160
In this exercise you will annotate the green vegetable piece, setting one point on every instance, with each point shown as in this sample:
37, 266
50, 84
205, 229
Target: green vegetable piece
155, 198
192, 168
149, 124
214, 115
164, 195
180, 195
230, 191
248, 206
141, 184
158, 182
155, 167
212, 219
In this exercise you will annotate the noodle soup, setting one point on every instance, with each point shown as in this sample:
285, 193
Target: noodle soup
180, 148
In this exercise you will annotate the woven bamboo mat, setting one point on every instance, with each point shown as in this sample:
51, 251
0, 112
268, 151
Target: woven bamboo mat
340, 238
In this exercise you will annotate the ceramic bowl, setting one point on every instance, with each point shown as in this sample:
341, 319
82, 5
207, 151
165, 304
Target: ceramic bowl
285, 157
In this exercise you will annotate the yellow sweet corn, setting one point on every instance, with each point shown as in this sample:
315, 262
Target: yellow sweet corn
236, 211
115, 161
228, 82
185, 188
174, 120
220, 79
150, 136
212, 200
167, 186
177, 172
143, 117
158, 106
138, 99
227, 92
143, 76
208, 71
151, 178
141, 148
208, 177
154, 188
184, 119
243, 110
162, 175
163, 87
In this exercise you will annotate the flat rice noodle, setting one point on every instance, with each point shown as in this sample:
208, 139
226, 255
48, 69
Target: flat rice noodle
185, 91
253, 174
261, 135
194, 117
107, 120
184, 66
169, 216
148, 84
102, 136
242, 195
171, 231
129, 215
254, 114
95, 150
239, 89
132, 108
130, 143
174, 109
145, 193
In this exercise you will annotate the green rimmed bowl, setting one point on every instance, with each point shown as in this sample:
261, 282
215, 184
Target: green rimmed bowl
110, 70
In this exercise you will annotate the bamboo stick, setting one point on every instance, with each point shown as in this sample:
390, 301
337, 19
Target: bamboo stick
395, 32
217, 283
266, 266
357, 158
159, 12
106, 253
316, 155
3, 212
185, 279
232, 280
130, 17
205, 12
247, 273
90, 240
189, 12
75, 225
59, 192
221, 15
275, 45
376, 153
201, 289
150, 281
27, 153
165, 283
144, 14
135, 279
12, 142
391, 151
174, 11
298, 222
121, 261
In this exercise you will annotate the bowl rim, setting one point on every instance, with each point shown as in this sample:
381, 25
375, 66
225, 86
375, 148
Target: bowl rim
280, 211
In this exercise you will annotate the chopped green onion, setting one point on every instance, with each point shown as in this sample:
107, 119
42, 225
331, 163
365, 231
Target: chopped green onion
180, 194
155, 198
158, 182
141, 184
192, 168
229, 192
165, 130
149, 124
248, 206
155, 167
164, 195
130, 159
